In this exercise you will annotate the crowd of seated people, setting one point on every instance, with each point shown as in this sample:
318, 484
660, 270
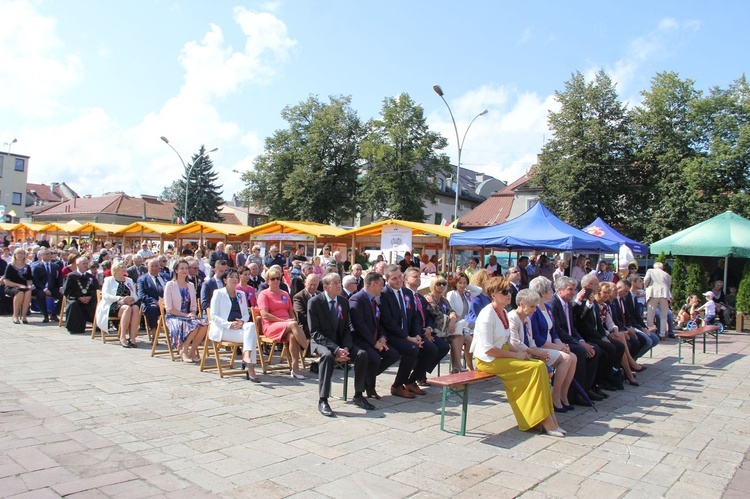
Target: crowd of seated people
584, 332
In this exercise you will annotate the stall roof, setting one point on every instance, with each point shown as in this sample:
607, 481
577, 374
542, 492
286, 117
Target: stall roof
724, 235
209, 228
160, 228
36, 227
290, 227
8, 227
60, 227
99, 227
419, 228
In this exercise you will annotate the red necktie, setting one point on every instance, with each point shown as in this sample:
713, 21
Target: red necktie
419, 307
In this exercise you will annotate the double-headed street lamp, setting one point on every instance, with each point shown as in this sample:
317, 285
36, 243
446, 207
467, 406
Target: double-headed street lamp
460, 145
187, 177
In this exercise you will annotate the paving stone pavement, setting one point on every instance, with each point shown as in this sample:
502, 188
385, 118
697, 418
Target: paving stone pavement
82, 419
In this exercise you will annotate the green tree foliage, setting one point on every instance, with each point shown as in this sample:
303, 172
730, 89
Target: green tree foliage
204, 194
663, 259
584, 168
679, 278
402, 161
743, 293
171, 193
668, 142
309, 170
696, 279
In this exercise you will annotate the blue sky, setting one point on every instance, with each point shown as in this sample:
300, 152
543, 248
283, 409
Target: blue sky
88, 87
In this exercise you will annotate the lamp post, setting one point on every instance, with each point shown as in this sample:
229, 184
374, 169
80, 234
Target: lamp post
460, 145
5, 172
187, 177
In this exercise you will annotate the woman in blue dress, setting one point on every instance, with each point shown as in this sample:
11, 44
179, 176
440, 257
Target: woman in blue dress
186, 329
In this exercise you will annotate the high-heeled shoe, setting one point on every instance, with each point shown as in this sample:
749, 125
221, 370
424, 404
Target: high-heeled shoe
559, 410
16, 320
297, 376
633, 383
554, 433
643, 368
569, 407
561, 431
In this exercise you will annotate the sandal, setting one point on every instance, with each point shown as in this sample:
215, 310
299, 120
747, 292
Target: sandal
16, 320
24, 321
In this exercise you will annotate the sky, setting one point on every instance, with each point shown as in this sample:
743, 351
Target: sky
88, 87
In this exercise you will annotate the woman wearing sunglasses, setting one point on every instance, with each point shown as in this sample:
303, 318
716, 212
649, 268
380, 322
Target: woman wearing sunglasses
525, 379
444, 320
279, 323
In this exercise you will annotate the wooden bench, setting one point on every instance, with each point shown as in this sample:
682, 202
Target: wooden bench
458, 385
689, 337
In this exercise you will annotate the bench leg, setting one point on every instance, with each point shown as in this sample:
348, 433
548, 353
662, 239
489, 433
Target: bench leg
704, 342
442, 409
693, 342
346, 379
463, 394
717, 342
679, 351
464, 410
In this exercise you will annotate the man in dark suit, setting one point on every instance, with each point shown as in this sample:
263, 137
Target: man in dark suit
301, 300
150, 291
47, 279
136, 270
328, 322
400, 321
211, 285
587, 355
589, 325
625, 317
349, 286
79, 289
367, 333
514, 276
357, 273
255, 278
412, 280
298, 281
217, 255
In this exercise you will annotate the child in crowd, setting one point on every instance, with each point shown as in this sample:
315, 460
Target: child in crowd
688, 312
709, 307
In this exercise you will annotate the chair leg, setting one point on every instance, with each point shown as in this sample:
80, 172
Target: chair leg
205, 354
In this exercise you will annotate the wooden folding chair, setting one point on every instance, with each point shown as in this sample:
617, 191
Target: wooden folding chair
62, 312
161, 328
269, 345
107, 336
215, 349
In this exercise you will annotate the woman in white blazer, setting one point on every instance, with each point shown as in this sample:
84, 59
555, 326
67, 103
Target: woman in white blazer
119, 299
230, 320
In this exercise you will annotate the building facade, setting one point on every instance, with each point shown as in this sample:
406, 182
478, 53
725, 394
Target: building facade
14, 169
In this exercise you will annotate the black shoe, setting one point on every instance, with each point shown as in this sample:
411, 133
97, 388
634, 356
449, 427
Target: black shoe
599, 391
46, 319
372, 394
579, 400
362, 402
607, 386
314, 368
325, 409
594, 396
54, 318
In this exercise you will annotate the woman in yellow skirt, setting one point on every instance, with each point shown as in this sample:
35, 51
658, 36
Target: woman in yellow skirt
526, 380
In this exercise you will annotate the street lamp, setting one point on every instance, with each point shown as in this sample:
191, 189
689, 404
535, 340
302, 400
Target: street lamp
460, 145
187, 177
6, 171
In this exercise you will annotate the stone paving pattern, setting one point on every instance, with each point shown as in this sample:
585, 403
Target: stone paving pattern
82, 419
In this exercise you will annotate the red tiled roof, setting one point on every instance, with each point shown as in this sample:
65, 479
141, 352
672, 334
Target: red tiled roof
229, 218
121, 204
494, 210
44, 192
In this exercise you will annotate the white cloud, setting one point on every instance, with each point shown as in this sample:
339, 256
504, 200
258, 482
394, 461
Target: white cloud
35, 70
504, 143
95, 153
525, 36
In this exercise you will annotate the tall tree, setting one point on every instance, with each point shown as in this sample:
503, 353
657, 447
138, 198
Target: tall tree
668, 141
204, 194
402, 161
587, 167
171, 192
309, 170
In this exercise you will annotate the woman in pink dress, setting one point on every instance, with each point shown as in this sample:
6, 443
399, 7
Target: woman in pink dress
245, 286
279, 323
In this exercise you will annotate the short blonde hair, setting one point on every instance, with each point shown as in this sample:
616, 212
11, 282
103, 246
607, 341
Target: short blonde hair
480, 278
272, 272
117, 265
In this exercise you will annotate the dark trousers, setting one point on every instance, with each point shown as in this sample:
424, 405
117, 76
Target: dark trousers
611, 358
328, 362
441, 350
427, 359
41, 299
585, 368
377, 362
409, 353
77, 315
152, 313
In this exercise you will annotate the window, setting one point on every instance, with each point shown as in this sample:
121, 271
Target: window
441, 184
1, 166
453, 186
438, 218
19, 165
17, 198
530, 203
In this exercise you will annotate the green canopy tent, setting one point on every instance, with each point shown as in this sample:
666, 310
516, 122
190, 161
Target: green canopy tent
724, 235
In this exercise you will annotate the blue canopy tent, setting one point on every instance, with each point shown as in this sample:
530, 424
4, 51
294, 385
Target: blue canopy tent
538, 228
600, 228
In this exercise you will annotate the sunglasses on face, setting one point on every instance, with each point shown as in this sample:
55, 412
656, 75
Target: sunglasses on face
505, 292
441, 283
274, 278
